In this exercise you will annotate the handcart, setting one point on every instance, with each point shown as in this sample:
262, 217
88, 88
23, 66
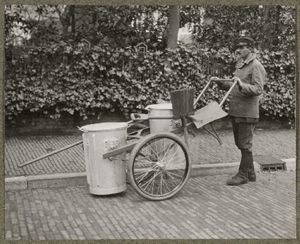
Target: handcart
158, 164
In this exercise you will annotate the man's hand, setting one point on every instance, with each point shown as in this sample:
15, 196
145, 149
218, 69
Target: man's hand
238, 80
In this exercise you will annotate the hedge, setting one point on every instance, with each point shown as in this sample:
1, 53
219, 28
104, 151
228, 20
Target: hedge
67, 78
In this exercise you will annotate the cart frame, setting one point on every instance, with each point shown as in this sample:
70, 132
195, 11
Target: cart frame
172, 178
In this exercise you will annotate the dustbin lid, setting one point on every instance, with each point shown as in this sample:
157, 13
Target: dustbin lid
160, 106
104, 126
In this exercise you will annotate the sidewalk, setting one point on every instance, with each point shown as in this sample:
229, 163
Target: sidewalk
205, 208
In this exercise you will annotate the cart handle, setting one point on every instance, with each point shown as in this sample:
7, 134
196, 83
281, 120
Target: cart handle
228, 92
207, 85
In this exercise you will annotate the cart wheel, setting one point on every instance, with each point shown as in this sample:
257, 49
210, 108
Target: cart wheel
159, 166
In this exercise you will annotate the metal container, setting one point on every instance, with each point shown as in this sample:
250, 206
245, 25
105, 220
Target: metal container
104, 176
161, 118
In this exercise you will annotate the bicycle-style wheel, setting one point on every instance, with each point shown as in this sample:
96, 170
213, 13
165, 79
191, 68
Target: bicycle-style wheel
159, 166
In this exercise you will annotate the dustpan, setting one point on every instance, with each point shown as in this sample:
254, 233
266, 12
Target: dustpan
211, 112
207, 114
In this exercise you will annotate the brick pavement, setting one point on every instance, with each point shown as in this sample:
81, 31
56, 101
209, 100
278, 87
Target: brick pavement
204, 209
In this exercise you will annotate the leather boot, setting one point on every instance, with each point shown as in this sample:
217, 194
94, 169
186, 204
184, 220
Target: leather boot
238, 179
251, 171
251, 175
245, 165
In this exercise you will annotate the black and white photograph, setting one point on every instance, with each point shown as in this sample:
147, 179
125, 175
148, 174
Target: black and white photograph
159, 122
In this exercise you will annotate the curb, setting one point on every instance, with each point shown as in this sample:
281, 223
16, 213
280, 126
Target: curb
79, 179
45, 181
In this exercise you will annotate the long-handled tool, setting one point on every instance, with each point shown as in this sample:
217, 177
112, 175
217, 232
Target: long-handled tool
52, 153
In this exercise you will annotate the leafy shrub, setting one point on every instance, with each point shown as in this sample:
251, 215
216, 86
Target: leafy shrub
68, 78
279, 91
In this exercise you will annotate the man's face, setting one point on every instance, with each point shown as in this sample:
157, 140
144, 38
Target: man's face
241, 53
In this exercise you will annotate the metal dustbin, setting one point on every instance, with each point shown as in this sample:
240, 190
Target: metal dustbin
104, 176
161, 118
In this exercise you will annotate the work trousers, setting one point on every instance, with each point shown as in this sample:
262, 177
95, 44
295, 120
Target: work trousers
243, 130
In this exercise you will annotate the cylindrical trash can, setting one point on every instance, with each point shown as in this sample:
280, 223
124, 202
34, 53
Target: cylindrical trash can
161, 118
104, 176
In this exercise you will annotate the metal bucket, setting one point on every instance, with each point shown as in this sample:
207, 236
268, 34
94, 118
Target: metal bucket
104, 176
161, 118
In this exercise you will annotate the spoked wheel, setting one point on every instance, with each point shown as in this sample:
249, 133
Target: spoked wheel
159, 166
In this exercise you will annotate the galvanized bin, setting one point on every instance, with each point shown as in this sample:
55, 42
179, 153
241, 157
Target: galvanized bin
161, 118
104, 176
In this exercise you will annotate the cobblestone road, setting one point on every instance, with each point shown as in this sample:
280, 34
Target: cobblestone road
204, 209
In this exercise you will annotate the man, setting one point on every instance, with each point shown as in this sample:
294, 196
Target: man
244, 106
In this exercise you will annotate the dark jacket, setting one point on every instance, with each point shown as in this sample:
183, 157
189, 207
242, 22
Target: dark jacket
244, 100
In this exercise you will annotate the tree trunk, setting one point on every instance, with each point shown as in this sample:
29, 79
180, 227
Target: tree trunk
72, 15
173, 26
266, 25
266, 13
